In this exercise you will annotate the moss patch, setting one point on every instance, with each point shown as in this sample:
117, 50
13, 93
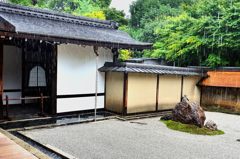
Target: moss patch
189, 128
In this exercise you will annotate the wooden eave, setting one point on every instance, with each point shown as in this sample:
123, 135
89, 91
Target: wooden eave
74, 41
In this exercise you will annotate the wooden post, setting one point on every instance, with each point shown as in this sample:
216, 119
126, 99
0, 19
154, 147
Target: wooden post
236, 98
201, 96
1, 79
125, 94
181, 90
54, 81
157, 92
7, 107
23, 76
42, 104
105, 85
1, 107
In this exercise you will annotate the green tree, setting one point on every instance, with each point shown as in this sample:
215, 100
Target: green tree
206, 33
147, 16
83, 7
36, 3
124, 55
96, 14
21, 2
144, 11
58, 5
102, 3
117, 16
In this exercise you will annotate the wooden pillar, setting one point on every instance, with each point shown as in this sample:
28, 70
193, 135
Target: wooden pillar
157, 92
236, 96
125, 94
181, 90
105, 84
23, 76
1, 79
54, 81
201, 96
7, 107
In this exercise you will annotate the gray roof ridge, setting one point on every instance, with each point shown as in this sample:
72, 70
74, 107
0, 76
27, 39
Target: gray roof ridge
53, 15
150, 66
228, 68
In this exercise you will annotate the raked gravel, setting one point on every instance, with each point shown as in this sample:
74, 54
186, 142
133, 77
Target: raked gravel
119, 139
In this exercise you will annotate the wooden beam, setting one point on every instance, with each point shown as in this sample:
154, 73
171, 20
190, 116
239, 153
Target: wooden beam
105, 85
7, 107
157, 92
201, 96
23, 76
1, 79
54, 81
12, 90
181, 89
125, 94
75, 41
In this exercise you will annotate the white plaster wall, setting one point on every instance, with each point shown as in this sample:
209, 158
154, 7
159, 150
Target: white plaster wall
78, 104
76, 71
12, 72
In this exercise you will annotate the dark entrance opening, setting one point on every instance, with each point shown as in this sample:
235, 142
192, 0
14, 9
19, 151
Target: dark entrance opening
36, 72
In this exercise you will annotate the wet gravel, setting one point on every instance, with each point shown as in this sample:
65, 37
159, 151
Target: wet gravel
145, 138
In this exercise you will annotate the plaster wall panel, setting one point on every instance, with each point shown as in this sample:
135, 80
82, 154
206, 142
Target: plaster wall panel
141, 92
12, 72
79, 104
114, 91
76, 74
190, 89
169, 91
76, 69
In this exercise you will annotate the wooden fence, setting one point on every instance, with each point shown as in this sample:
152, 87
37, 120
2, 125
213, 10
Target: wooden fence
27, 98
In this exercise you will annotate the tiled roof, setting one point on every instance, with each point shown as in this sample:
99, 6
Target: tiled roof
222, 79
153, 69
34, 21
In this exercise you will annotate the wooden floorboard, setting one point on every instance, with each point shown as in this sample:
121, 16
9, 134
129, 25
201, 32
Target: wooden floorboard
9, 149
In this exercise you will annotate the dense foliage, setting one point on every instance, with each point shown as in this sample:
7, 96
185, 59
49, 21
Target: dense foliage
148, 15
118, 16
125, 54
206, 33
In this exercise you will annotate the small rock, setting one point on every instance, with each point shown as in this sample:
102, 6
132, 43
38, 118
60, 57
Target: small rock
166, 117
189, 113
211, 125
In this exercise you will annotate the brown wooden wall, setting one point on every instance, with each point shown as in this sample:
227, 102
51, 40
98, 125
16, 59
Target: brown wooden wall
114, 92
129, 93
223, 97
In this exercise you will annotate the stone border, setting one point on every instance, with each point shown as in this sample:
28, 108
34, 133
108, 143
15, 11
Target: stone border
47, 146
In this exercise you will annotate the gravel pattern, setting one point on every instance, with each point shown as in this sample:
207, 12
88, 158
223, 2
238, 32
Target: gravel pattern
145, 138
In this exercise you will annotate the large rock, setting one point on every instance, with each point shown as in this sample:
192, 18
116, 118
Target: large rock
189, 113
211, 125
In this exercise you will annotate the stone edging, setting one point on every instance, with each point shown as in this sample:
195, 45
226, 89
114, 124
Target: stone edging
47, 146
